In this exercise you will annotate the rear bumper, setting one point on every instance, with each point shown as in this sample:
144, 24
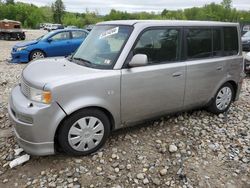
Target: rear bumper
246, 47
20, 57
239, 87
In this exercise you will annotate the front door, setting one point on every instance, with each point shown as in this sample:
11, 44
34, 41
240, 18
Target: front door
60, 44
157, 88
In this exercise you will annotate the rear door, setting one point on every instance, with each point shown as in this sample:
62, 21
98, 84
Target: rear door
157, 88
207, 66
77, 38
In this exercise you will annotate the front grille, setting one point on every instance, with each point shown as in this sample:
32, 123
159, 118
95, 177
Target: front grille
25, 88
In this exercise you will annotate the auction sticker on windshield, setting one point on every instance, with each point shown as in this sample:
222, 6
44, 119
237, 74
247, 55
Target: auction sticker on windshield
109, 32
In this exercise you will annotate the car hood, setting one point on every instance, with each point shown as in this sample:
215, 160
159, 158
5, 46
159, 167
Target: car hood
41, 72
28, 43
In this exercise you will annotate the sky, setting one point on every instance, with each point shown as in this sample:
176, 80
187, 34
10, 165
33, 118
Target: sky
104, 6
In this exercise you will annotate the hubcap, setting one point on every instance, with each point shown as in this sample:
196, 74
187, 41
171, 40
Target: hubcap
37, 55
86, 133
223, 98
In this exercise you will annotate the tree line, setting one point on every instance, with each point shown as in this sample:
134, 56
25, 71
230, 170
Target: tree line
30, 15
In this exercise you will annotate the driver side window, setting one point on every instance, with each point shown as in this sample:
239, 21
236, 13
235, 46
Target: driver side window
61, 36
160, 45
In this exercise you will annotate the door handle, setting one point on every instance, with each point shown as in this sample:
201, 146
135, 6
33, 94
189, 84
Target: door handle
177, 74
219, 68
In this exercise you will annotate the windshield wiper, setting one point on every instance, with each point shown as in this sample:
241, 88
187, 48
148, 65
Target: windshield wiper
81, 61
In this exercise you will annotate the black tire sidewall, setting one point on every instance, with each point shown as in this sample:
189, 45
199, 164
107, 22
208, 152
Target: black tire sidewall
213, 107
67, 124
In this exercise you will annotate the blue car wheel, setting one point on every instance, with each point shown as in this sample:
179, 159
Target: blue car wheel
37, 54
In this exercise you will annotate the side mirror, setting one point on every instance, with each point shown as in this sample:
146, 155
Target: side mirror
49, 40
247, 57
139, 60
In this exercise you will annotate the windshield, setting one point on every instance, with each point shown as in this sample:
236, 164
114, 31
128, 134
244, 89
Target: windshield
46, 36
102, 46
247, 34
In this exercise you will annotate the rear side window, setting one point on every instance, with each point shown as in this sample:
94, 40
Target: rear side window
199, 43
160, 45
79, 34
231, 43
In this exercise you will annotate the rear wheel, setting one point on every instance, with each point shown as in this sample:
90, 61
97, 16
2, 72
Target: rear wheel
222, 100
37, 54
84, 132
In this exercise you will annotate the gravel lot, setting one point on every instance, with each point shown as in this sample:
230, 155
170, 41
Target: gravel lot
194, 149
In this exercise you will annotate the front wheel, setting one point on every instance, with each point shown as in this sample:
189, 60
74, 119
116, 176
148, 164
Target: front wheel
84, 132
36, 54
222, 100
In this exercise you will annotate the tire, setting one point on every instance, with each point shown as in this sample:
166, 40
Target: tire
226, 92
95, 129
7, 37
37, 54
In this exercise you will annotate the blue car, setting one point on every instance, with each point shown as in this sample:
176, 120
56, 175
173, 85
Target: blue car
61, 42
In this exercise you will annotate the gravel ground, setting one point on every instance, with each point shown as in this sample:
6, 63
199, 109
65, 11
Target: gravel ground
194, 149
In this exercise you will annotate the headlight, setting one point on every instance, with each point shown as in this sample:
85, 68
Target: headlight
21, 48
40, 95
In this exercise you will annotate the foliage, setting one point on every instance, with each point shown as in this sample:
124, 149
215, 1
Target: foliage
58, 9
31, 15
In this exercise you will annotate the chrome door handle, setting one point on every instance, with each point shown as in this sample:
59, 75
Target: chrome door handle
177, 74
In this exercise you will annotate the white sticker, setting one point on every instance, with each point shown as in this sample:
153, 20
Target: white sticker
109, 32
107, 61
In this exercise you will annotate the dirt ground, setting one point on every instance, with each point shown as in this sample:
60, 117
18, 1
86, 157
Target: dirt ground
194, 149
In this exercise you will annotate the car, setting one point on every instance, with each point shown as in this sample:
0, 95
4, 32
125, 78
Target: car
53, 27
72, 27
247, 63
246, 41
125, 72
56, 43
10, 29
46, 25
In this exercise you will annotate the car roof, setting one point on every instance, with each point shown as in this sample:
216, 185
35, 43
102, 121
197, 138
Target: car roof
167, 23
70, 29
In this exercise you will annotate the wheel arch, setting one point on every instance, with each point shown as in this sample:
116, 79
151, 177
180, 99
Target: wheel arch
36, 49
107, 113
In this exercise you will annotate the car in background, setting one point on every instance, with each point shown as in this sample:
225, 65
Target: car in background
71, 27
56, 43
10, 29
247, 63
89, 27
53, 27
46, 26
246, 41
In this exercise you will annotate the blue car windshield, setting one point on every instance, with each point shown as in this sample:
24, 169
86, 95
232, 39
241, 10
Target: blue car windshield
46, 36
103, 46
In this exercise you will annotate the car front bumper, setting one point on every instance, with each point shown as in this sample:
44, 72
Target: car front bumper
20, 56
246, 47
34, 125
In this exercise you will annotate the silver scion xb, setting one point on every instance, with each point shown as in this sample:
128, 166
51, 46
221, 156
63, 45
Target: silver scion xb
125, 72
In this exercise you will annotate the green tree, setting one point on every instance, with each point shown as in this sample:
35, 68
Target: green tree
10, 2
58, 9
227, 4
